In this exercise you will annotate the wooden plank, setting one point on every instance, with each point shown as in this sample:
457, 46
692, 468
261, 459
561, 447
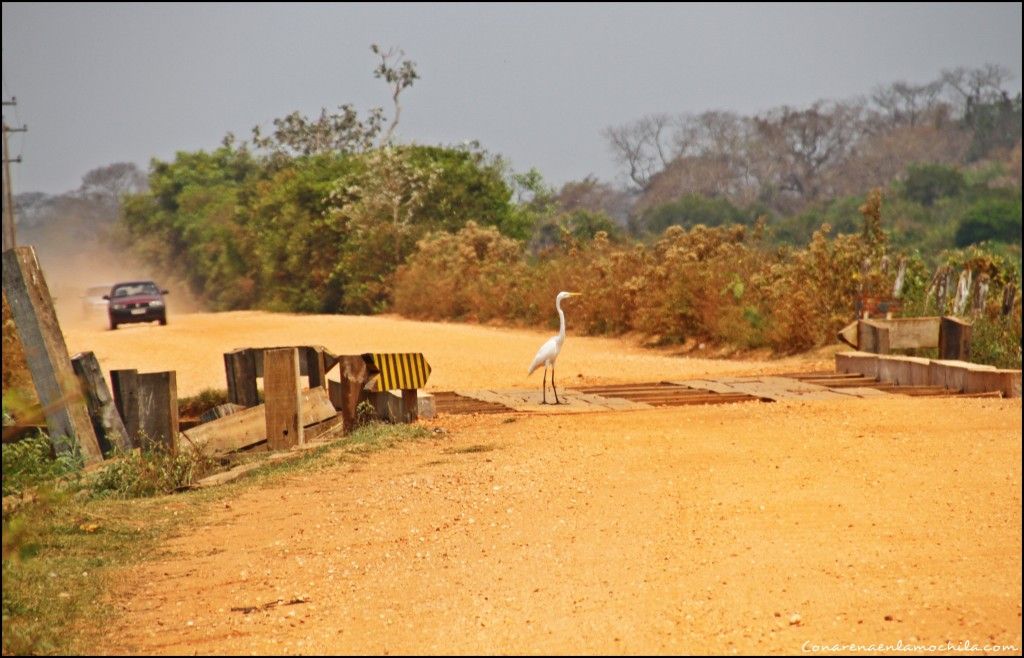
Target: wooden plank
848, 334
281, 393
248, 428
125, 389
158, 410
240, 368
220, 411
954, 339
860, 392
777, 388
107, 423
46, 353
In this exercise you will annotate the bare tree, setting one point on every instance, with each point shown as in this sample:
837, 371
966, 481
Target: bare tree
645, 146
400, 76
972, 86
905, 104
798, 147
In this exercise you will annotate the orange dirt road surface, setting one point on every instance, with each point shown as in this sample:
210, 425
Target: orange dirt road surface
741, 528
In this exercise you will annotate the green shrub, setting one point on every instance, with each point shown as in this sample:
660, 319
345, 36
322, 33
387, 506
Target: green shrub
141, 474
31, 463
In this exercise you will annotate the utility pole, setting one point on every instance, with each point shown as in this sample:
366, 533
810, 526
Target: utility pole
9, 241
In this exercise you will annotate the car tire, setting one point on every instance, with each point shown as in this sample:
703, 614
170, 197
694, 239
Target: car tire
113, 324
163, 320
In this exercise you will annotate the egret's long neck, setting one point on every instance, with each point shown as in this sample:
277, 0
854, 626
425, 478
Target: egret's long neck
561, 321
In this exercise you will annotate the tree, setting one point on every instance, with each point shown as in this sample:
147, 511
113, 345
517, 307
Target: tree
644, 146
797, 149
398, 77
905, 104
378, 212
342, 131
994, 219
927, 183
689, 211
112, 182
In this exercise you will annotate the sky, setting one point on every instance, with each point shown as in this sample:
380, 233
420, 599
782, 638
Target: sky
98, 83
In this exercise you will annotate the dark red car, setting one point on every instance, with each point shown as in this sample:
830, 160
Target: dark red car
136, 301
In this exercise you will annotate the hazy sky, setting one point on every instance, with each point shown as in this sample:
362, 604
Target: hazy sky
537, 83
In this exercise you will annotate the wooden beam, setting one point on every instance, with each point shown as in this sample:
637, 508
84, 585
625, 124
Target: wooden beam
46, 353
240, 368
952, 374
862, 363
1007, 382
410, 406
158, 410
345, 395
281, 393
873, 336
248, 428
954, 339
107, 423
315, 369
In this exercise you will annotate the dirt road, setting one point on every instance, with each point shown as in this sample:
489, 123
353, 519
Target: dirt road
462, 356
742, 528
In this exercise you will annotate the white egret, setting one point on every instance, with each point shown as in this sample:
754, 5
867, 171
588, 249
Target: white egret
548, 352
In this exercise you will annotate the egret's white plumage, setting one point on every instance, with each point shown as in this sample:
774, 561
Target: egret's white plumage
548, 352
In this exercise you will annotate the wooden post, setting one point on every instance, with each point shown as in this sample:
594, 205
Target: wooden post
158, 410
47, 353
354, 375
873, 337
110, 429
314, 361
954, 339
410, 405
281, 392
125, 385
240, 366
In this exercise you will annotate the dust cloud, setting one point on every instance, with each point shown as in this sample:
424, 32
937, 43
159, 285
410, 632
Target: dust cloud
71, 271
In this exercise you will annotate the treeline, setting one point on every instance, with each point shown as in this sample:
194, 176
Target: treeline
786, 159
749, 231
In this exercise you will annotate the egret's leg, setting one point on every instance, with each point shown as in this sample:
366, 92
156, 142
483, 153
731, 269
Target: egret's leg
544, 387
557, 401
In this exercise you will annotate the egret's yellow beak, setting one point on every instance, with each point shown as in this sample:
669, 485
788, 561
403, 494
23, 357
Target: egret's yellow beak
575, 294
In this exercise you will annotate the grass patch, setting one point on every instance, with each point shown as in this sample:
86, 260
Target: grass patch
59, 549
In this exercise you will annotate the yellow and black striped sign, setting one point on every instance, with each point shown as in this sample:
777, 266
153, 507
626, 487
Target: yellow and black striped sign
399, 370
